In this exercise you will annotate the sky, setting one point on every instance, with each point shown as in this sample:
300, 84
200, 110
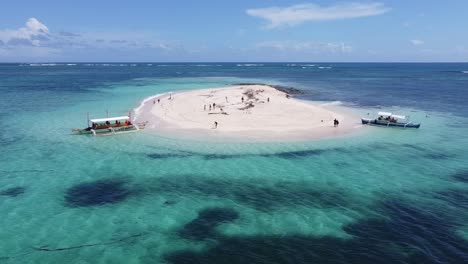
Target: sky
234, 31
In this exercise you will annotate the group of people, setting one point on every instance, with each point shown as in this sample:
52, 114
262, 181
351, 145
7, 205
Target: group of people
108, 124
214, 105
388, 118
336, 122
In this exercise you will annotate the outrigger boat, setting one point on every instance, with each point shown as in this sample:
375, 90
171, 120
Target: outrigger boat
390, 120
110, 126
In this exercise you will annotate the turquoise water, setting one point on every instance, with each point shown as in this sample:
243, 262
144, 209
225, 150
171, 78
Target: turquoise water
383, 196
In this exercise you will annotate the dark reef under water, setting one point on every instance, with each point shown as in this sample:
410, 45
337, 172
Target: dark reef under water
96, 193
13, 192
283, 155
408, 234
204, 225
256, 195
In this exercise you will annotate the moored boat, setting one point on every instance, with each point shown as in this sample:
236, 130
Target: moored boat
110, 126
387, 119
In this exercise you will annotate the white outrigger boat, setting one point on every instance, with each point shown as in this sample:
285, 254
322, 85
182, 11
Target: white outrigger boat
110, 126
390, 120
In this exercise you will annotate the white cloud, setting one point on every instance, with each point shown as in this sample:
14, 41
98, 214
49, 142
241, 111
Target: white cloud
417, 42
36, 41
306, 47
297, 14
33, 32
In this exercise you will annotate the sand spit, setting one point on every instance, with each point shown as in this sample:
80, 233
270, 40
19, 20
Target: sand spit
253, 111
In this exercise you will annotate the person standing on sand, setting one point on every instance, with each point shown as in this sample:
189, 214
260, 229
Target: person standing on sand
216, 124
204, 108
158, 100
154, 101
335, 122
214, 105
210, 107
242, 98
226, 100
268, 99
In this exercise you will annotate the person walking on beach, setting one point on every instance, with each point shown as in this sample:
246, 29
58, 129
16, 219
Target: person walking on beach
216, 124
268, 99
210, 107
158, 100
242, 98
226, 100
214, 105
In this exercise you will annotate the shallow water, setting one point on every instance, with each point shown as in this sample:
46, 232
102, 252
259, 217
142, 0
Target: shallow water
385, 196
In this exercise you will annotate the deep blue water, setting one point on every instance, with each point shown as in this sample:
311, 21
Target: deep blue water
430, 86
389, 196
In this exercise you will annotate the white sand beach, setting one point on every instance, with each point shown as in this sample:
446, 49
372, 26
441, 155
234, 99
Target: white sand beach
243, 111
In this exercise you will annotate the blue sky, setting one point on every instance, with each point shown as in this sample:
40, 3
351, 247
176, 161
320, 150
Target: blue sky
205, 30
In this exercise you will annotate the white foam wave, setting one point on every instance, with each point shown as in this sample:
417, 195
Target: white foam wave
142, 104
206, 65
465, 72
42, 64
324, 67
249, 65
332, 103
300, 65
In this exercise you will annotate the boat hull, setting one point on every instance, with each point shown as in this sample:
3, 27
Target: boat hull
383, 123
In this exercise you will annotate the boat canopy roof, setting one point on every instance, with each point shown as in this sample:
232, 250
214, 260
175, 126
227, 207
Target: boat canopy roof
100, 120
399, 116
391, 115
385, 113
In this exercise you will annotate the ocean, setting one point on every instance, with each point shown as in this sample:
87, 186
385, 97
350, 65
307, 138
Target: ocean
383, 196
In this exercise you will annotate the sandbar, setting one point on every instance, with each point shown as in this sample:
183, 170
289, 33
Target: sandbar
259, 112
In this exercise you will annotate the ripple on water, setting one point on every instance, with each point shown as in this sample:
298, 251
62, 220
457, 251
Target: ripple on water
258, 196
461, 176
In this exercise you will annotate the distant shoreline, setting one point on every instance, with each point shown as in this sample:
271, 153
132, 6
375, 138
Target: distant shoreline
243, 111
